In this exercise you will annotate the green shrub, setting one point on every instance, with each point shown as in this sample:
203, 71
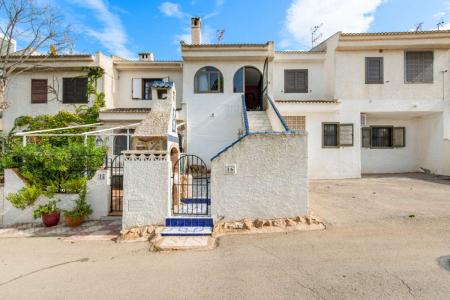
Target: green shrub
25, 197
82, 208
46, 209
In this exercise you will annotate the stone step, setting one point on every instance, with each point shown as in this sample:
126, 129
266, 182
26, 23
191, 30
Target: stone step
186, 231
170, 243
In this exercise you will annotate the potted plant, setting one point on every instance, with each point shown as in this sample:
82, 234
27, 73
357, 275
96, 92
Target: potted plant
50, 213
82, 209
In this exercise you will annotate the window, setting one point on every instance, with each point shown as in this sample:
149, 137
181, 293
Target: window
295, 122
330, 135
419, 67
142, 88
208, 80
75, 90
39, 90
238, 81
374, 70
295, 81
337, 135
383, 137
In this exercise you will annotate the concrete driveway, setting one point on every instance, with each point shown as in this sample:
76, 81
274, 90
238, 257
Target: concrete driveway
380, 198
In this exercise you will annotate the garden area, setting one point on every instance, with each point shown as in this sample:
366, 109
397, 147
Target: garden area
56, 164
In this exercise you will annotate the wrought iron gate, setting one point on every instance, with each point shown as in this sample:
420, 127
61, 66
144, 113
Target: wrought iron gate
116, 169
190, 186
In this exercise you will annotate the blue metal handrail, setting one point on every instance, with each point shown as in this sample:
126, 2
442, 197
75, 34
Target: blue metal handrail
285, 125
244, 115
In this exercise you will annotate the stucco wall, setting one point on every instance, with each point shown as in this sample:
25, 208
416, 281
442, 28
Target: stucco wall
19, 97
123, 90
97, 197
350, 77
394, 160
146, 188
434, 150
328, 163
270, 180
316, 78
214, 119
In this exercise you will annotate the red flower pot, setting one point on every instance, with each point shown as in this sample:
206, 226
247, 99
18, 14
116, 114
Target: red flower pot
52, 219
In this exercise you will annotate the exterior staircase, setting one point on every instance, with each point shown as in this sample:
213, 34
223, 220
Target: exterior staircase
188, 226
258, 121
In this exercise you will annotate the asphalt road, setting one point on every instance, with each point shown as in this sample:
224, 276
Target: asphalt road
396, 260
372, 249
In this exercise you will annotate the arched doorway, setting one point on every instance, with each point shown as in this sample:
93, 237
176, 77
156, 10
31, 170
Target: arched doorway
249, 80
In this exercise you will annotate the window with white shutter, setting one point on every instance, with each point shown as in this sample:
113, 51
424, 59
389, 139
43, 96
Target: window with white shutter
345, 135
374, 70
419, 67
336, 135
365, 137
136, 89
399, 137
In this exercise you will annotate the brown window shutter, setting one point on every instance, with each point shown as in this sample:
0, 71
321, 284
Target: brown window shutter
419, 67
296, 81
374, 70
39, 90
75, 90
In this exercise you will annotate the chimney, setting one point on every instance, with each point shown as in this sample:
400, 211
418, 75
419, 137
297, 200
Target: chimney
146, 56
196, 30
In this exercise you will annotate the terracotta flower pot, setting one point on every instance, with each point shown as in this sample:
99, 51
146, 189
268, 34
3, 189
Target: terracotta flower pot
52, 219
73, 221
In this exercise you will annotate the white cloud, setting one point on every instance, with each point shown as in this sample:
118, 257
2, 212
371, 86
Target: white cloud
336, 15
171, 9
112, 34
216, 11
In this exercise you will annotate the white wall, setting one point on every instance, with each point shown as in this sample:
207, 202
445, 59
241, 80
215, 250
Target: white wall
393, 160
271, 179
214, 119
97, 197
328, 163
434, 150
316, 79
123, 91
146, 190
19, 97
350, 77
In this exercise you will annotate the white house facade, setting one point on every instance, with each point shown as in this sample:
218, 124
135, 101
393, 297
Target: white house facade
355, 104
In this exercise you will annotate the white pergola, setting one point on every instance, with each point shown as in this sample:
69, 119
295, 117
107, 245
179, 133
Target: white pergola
102, 132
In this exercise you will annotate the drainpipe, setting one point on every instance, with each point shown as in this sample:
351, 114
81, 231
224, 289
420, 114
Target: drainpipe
443, 84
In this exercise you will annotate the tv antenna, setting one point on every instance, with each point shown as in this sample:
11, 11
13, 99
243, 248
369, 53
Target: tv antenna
315, 35
440, 24
219, 35
419, 26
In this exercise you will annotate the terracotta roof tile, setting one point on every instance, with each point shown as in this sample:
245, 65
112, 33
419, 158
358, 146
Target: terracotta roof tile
127, 110
395, 33
327, 101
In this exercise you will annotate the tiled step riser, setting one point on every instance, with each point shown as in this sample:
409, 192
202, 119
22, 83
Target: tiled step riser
189, 222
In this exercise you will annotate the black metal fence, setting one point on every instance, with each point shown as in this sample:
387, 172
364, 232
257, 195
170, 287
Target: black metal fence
116, 173
190, 186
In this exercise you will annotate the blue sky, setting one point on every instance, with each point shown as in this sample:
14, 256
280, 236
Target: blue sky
126, 27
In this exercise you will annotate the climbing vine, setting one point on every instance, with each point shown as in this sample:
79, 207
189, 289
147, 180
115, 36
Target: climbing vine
51, 164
